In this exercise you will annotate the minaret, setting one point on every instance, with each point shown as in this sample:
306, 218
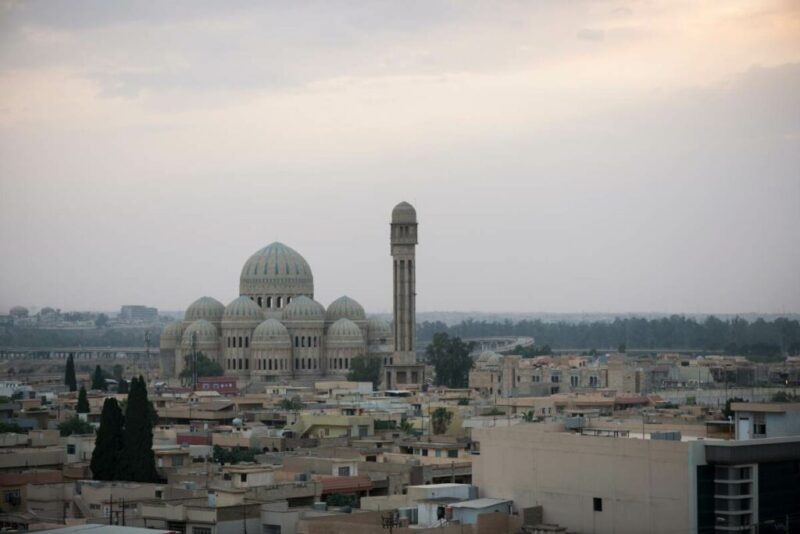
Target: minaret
403, 248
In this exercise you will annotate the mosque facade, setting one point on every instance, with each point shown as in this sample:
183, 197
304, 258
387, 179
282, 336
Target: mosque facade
275, 332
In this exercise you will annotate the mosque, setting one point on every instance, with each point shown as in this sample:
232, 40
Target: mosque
275, 332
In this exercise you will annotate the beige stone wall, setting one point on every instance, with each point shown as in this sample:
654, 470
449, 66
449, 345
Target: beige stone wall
644, 485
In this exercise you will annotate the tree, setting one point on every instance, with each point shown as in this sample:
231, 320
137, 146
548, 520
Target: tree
116, 372
528, 416
235, 455
108, 443
205, 367
440, 420
727, 413
101, 320
83, 401
450, 359
138, 462
99, 379
365, 369
406, 427
122, 386
291, 405
69, 374
622, 348
75, 425
14, 428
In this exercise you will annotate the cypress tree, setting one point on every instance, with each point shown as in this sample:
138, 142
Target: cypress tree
138, 462
83, 401
69, 374
122, 387
108, 443
98, 379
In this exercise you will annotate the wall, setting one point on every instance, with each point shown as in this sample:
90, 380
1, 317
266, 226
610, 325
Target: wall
644, 485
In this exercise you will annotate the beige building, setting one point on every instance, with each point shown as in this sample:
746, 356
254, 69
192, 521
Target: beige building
603, 481
275, 332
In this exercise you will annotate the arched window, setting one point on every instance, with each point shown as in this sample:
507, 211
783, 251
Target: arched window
240, 341
246, 342
269, 364
302, 341
280, 302
309, 362
269, 302
296, 363
240, 363
246, 364
229, 341
296, 341
288, 300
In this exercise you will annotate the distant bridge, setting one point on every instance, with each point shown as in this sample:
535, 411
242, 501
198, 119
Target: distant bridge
499, 344
78, 353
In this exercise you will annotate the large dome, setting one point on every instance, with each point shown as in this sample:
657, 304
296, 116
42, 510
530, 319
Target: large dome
404, 213
345, 308
206, 308
242, 309
271, 332
303, 308
205, 331
276, 270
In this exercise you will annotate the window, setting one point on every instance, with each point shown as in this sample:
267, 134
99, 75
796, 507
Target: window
246, 363
229, 341
246, 342
280, 302
269, 302
70, 448
201, 530
240, 341
296, 341
597, 504
244, 477
177, 461
259, 302
554, 379
344, 471
452, 453
573, 380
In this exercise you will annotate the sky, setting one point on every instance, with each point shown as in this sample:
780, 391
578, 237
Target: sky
565, 156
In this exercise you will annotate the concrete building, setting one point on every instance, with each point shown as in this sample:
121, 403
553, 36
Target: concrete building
601, 483
758, 420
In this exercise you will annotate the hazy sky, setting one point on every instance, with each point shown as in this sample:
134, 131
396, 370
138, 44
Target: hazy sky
562, 155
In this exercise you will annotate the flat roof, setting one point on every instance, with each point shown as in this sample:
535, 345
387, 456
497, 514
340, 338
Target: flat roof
486, 502
775, 407
93, 528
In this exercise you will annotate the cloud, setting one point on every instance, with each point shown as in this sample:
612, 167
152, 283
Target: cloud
591, 35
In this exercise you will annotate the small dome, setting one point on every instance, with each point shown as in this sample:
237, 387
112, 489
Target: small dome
404, 213
276, 270
378, 329
206, 308
171, 335
242, 309
271, 332
344, 328
344, 333
347, 308
303, 308
206, 333
489, 358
